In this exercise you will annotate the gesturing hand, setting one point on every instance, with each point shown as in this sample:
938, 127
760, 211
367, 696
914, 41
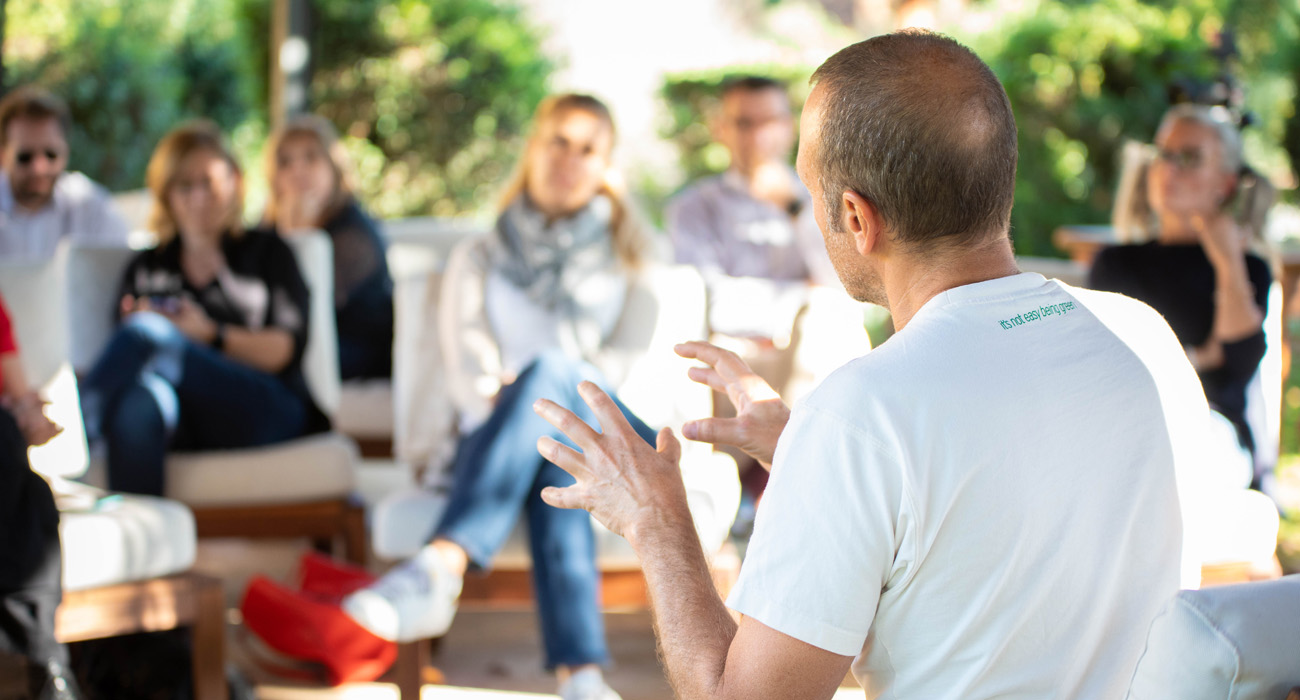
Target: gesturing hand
621, 480
760, 414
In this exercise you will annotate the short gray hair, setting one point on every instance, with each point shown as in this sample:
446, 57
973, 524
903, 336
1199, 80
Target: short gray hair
918, 125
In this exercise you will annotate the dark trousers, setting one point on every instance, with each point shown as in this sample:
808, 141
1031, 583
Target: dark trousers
152, 390
30, 566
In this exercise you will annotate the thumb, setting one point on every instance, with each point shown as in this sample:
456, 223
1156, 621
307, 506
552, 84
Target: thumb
668, 446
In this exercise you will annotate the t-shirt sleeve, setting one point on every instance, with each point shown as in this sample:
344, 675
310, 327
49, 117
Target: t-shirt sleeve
826, 536
7, 342
290, 307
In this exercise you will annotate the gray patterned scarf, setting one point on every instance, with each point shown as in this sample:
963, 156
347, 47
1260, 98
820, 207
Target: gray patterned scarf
553, 263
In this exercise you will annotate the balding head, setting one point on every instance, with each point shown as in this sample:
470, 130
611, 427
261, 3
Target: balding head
920, 127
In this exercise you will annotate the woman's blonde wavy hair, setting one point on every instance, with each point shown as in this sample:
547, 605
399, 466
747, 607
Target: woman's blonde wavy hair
630, 237
165, 164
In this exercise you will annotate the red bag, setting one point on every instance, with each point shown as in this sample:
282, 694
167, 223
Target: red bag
308, 624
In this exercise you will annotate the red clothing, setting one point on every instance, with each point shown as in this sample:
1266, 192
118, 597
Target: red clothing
7, 344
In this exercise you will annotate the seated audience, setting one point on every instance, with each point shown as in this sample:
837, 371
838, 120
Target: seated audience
526, 313
308, 175
30, 565
40, 203
1202, 210
213, 323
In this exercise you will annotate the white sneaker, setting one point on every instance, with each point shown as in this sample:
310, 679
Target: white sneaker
415, 600
587, 684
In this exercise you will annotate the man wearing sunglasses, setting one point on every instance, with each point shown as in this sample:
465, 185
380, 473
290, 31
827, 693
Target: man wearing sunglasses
40, 203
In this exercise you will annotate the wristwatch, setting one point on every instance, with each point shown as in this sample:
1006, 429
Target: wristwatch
219, 337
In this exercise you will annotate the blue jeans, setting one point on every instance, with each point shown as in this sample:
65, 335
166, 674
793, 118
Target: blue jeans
153, 390
499, 474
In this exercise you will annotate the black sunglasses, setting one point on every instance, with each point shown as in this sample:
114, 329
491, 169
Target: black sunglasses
26, 157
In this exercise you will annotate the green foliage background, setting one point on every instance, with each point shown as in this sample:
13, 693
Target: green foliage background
431, 96
1082, 77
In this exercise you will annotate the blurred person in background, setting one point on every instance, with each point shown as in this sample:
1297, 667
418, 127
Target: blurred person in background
41, 203
30, 563
310, 189
213, 325
526, 311
751, 233
1200, 210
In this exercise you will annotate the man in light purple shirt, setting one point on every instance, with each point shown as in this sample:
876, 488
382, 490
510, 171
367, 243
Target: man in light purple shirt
750, 230
774, 297
41, 203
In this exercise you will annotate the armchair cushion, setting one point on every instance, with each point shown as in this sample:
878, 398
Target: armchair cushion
314, 468
124, 538
1240, 642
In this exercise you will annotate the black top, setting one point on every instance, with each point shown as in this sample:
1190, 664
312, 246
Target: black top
1179, 281
363, 294
261, 288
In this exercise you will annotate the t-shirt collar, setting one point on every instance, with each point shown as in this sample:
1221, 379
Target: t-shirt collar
1009, 286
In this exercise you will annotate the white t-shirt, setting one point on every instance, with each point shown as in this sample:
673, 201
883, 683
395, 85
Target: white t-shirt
79, 209
987, 505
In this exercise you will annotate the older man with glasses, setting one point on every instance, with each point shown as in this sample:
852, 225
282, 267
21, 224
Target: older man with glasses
40, 203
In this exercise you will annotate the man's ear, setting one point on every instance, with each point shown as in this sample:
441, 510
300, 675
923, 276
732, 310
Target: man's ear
861, 219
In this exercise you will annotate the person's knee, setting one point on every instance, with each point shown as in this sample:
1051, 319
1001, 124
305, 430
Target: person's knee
150, 329
136, 415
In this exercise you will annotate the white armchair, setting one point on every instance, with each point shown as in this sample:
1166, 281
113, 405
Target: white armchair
300, 488
126, 558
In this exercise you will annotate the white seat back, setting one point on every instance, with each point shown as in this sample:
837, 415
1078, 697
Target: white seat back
320, 360
35, 297
1264, 393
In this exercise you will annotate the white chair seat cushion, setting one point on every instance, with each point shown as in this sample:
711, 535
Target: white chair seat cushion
314, 468
404, 521
365, 409
125, 538
1240, 642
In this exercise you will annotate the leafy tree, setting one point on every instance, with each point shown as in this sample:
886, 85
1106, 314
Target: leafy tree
129, 72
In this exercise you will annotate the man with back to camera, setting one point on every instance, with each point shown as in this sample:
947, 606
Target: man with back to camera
40, 203
988, 504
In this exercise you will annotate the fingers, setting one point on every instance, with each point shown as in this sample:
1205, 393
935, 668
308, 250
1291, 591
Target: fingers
715, 431
567, 497
727, 363
611, 419
562, 456
563, 419
708, 377
667, 445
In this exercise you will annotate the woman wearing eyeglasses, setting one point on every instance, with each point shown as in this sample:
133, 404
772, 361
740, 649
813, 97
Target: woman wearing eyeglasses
1203, 210
212, 326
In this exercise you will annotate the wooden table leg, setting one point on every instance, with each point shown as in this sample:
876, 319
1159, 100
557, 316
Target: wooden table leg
209, 642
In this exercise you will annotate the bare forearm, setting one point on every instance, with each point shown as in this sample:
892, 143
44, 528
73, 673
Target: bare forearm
693, 626
11, 369
267, 350
1235, 314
